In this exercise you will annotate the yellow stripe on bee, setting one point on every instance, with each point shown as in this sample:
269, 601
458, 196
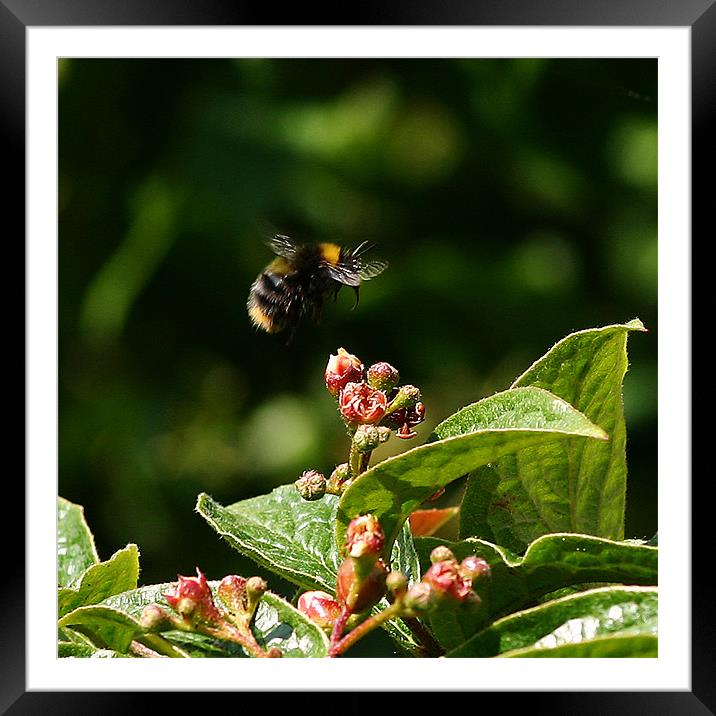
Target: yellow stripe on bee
260, 319
279, 266
330, 253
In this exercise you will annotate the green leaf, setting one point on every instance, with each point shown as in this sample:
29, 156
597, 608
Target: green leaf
75, 543
482, 433
294, 538
99, 581
109, 628
620, 645
282, 532
276, 623
78, 651
568, 486
571, 623
550, 563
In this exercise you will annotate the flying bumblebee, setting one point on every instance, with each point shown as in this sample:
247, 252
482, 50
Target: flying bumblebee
301, 277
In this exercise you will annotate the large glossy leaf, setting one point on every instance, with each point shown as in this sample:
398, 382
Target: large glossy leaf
276, 623
497, 426
99, 581
572, 485
570, 624
75, 544
295, 539
550, 563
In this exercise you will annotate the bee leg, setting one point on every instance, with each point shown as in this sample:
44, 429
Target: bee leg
356, 289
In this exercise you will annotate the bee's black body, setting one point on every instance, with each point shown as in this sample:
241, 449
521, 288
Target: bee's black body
301, 277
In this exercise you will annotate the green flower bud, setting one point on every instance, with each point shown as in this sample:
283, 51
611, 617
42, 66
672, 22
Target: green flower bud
311, 485
420, 599
396, 582
407, 397
339, 479
382, 376
441, 554
156, 619
366, 438
383, 433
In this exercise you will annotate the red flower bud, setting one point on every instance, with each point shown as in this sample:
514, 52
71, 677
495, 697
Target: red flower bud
403, 420
359, 403
364, 536
191, 597
358, 588
320, 607
342, 369
232, 592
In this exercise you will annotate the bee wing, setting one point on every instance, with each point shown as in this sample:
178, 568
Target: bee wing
371, 269
345, 272
366, 270
352, 270
282, 245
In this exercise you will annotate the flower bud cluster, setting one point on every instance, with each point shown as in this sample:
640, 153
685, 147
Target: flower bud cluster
372, 407
446, 581
363, 579
360, 582
191, 598
366, 397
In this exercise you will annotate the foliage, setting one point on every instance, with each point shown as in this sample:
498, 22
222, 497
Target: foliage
542, 568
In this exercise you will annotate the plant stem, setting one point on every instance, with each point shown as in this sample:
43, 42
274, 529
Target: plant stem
160, 646
243, 638
339, 626
338, 646
354, 460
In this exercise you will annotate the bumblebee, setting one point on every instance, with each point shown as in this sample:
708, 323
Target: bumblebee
301, 277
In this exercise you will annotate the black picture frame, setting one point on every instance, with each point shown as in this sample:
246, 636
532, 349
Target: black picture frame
699, 15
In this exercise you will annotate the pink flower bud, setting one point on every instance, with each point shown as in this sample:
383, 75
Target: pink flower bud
192, 598
320, 607
342, 369
359, 403
446, 580
364, 536
474, 568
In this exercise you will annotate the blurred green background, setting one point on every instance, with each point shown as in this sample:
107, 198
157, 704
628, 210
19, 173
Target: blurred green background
514, 199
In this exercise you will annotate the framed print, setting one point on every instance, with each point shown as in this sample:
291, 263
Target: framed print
340, 340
